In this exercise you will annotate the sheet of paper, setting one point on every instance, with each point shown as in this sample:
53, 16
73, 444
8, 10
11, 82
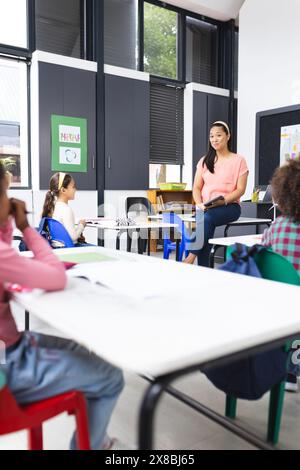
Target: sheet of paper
84, 257
136, 280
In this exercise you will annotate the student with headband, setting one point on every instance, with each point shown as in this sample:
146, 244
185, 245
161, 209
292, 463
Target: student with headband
62, 190
219, 173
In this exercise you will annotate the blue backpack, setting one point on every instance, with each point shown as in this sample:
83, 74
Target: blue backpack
252, 377
42, 230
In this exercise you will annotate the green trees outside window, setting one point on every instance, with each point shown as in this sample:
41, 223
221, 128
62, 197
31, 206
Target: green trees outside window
160, 41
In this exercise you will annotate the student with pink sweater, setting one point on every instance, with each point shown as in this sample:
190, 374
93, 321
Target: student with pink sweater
39, 366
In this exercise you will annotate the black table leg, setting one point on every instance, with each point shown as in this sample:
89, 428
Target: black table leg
146, 416
212, 256
27, 321
139, 241
148, 241
177, 248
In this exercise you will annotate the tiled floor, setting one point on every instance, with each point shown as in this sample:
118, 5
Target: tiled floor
176, 425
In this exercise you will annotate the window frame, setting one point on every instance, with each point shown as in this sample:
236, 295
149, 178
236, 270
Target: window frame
15, 51
27, 186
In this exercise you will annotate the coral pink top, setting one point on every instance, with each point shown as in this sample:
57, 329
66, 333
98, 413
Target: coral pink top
44, 271
225, 178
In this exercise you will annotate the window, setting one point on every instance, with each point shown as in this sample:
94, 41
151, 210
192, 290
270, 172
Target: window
162, 173
160, 41
166, 133
201, 52
60, 27
13, 120
121, 33
13, 31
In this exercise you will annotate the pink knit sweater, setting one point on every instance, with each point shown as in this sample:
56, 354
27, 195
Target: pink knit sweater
44, 271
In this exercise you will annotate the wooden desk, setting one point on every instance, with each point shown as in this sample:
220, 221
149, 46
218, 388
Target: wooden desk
171, 327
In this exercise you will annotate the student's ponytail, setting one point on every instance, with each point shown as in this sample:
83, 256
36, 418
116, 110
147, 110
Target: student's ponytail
57, 182
49, 204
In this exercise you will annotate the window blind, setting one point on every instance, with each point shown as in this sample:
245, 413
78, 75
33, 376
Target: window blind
166, 124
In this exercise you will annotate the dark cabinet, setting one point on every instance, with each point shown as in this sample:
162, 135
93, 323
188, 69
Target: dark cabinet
127, 133
207, 109
70, 92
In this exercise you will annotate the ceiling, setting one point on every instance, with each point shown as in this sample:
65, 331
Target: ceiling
223, 10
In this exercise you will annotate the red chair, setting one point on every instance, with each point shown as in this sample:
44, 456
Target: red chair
14, 417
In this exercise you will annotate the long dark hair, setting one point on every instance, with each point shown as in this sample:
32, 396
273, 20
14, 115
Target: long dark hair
210, 157
53, 193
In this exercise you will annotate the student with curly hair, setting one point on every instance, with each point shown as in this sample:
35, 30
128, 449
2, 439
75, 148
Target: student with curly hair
284, 234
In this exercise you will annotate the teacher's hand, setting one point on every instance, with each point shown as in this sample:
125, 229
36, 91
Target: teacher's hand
201, 206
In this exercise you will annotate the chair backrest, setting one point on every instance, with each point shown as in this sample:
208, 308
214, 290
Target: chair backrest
139, 205
172, 218
2, 380
58, 232
274, 267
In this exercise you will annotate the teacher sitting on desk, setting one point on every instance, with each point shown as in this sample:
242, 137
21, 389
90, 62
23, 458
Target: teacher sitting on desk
219, 173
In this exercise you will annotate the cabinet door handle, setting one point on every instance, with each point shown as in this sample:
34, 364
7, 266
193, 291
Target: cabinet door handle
109, 163
93, 162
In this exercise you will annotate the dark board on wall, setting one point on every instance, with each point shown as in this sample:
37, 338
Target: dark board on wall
207, 109
268, 127
70, 92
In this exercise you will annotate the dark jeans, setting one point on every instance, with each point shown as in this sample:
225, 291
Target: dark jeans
214, 218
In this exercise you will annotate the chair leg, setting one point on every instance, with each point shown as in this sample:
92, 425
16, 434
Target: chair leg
230, 407
166, 251
82, 429
275, 412
35, 438
129, 242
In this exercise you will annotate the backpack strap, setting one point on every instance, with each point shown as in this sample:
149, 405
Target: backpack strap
243, 252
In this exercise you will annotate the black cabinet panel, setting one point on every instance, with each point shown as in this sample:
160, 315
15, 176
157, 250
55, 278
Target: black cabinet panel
69, 92
127, 133
200, 127
217, 109
207, 109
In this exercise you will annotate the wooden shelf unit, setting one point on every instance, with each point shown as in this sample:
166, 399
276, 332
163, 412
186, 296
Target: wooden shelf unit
167, 196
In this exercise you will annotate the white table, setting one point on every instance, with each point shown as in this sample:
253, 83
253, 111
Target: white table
169, 324
244, 221
111, 225
217, 243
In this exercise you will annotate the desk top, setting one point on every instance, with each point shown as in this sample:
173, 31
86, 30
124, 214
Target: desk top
175, 320
111, 225
250, 220
248, 240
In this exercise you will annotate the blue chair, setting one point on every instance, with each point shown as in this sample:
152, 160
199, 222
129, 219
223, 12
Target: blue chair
169, 246
189, 239
54, 231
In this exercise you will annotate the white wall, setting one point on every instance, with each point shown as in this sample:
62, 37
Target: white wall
269, 66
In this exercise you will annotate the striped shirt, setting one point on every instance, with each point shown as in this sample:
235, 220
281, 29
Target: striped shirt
284, 238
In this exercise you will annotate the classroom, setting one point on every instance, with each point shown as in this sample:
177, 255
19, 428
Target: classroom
149, 226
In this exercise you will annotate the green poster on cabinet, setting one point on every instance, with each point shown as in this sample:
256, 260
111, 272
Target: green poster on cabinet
68, 144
